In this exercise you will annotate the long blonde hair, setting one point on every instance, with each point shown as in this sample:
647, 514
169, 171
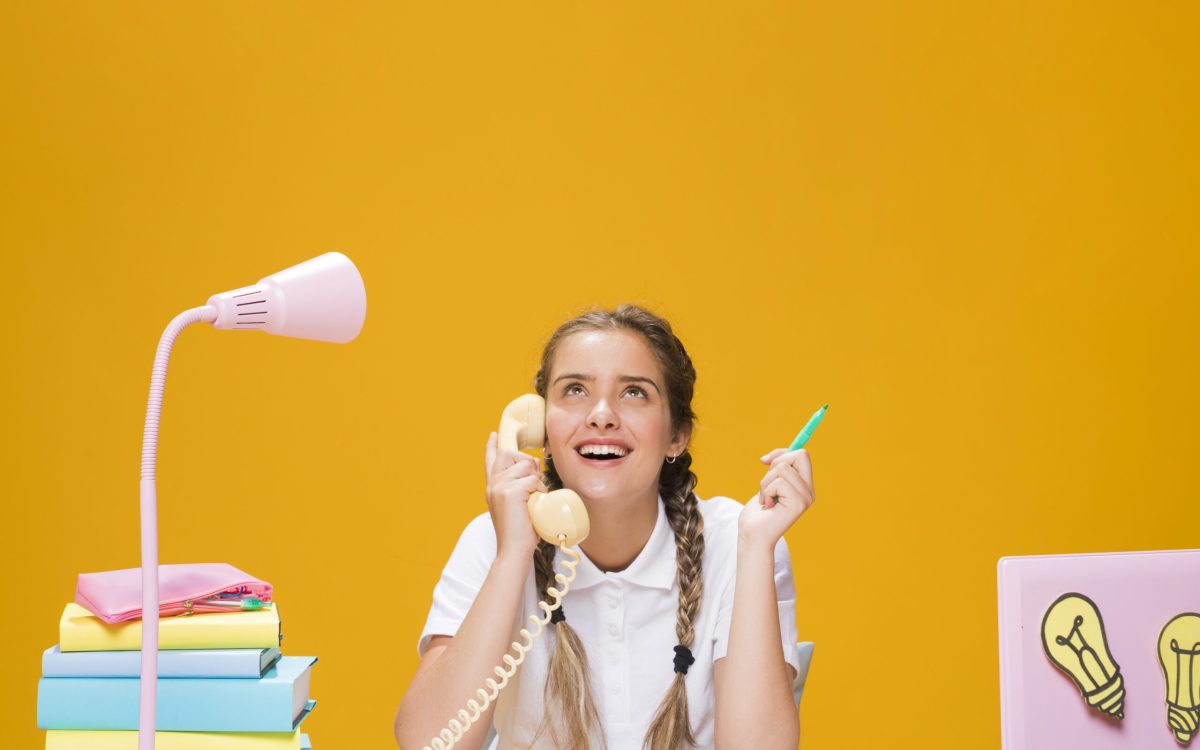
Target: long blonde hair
568, 688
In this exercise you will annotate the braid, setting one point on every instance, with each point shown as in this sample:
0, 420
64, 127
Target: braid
671, 727
567, 685
683, 515
543, 567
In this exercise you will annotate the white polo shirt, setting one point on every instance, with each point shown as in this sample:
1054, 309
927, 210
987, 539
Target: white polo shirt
626, 622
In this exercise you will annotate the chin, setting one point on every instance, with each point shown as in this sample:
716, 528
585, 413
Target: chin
594, 490
600, 489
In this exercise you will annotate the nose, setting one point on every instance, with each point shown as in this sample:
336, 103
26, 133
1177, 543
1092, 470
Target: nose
602, 417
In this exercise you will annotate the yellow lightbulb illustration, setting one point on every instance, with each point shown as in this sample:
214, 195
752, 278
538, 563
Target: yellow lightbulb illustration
1178, 649
1074, 639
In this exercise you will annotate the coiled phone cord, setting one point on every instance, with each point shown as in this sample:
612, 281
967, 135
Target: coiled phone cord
457, 727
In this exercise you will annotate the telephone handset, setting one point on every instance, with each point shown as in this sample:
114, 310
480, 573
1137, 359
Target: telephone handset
558, 517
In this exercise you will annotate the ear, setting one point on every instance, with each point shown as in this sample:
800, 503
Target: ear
680, 443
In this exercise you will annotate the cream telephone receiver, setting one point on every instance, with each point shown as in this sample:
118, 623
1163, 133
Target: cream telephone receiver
560, 518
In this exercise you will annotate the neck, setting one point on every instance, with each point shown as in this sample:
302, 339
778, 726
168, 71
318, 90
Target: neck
619, 532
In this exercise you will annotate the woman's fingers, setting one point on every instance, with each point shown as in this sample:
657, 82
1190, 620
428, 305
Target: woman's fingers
797, 458
788, 491
528, 484
520, 467
770, 457
773, 487
796, 477
517, 479
775, 472
763, 485
787, 484
769, 495
507, 497
489, 454
793, 487
789, 468
803, 464
504, 460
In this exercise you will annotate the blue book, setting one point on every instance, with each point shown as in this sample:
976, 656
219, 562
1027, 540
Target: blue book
246, 663
277, 702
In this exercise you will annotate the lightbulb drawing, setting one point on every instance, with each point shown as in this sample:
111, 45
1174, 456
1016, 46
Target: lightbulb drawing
1074, 639
1178, 647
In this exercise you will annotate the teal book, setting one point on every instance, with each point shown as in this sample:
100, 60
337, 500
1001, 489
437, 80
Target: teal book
277, 702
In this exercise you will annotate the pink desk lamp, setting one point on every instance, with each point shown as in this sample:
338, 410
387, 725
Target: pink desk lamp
321, 299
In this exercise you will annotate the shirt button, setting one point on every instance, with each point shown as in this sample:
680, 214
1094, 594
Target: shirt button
615, 660
616, 689
612, 630
613, 603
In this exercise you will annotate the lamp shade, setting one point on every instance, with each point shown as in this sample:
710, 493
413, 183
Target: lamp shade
322, 299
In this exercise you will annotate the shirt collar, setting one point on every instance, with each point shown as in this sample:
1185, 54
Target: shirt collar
654, 567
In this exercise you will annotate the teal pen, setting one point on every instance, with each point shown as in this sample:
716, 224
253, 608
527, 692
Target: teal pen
809, 429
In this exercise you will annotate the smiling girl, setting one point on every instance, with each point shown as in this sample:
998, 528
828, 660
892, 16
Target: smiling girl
679, 628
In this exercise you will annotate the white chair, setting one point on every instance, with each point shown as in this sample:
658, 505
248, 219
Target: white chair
804, 650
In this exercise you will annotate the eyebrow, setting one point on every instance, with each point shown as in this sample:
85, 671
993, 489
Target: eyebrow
622, 379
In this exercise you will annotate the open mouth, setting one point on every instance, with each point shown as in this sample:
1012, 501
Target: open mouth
603, 453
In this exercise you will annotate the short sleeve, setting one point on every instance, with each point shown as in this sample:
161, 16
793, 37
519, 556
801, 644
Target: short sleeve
461, 580
785, 596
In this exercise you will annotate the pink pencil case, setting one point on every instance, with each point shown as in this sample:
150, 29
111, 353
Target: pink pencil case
116, 595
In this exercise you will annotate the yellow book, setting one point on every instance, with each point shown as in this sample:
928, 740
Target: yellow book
80, 630
86, 739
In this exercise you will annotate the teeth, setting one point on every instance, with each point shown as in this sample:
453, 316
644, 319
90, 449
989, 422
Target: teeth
602, 450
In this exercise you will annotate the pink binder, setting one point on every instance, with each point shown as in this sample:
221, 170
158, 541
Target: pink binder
1137, 593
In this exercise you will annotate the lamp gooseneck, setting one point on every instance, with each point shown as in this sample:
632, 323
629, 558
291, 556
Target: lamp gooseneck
148, 500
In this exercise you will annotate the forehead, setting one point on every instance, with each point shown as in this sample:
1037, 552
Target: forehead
606, 352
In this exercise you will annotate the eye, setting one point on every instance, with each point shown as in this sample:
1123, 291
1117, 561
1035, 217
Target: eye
635, 390
572, 389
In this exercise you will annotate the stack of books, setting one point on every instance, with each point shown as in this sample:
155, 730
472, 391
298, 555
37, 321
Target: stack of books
223, 684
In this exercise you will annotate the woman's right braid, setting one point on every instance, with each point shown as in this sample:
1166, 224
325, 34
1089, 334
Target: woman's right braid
568, 687
543, 567
671, 727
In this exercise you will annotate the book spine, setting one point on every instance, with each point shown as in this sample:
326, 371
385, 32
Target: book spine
239, 663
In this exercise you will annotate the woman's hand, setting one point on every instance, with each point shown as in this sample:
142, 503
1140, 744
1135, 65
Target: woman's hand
512, 477
784, 493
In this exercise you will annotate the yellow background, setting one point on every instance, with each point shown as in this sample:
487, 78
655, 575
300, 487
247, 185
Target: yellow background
970, 227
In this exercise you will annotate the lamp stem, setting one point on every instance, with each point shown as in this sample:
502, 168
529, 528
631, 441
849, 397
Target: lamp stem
147, 495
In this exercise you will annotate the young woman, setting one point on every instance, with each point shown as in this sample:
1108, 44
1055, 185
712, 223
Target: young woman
679, 628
